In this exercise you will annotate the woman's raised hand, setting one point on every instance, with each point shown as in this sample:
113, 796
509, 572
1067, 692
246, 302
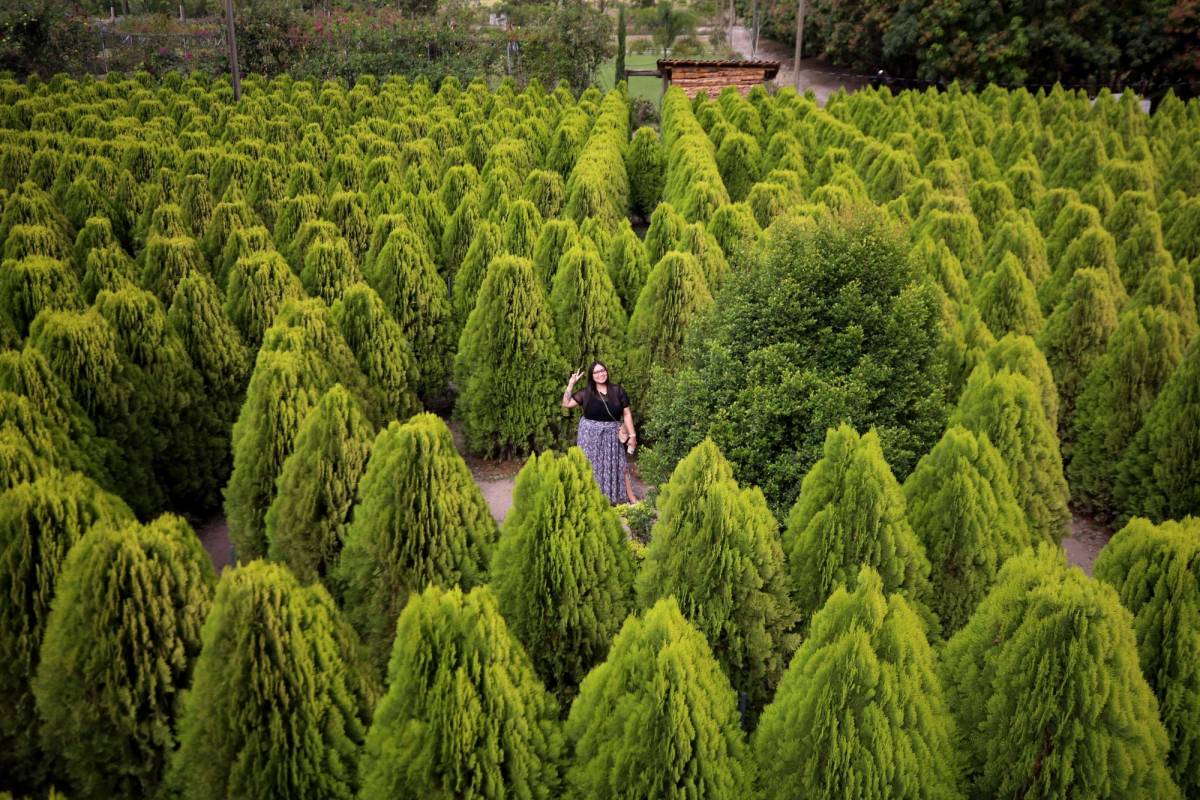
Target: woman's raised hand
575, 376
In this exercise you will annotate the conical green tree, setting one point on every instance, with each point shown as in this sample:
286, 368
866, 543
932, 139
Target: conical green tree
411, 288
508, 349
674, 296
166, 262
418, 519
588, 317
557, 236
459, 233
665, 232
1156, 572
242, 243
306, 524
1076, 335
562, 572
106, 268
547, 191
279, 705
739, 160
850, 514
860, 711
522, 228
379, 346
628, 266
259, 285
736, 230
701, 244
1045, 678
645, 162
1005, 407
716, 549
142, 592
487, 244
658, 718
40, 522
283, 389
464, 715
1175, 290
35, 283
1018, 235
329, 268
1159, 475
1007, 300
1118, 393
1020, 354
1094, 249
963, 510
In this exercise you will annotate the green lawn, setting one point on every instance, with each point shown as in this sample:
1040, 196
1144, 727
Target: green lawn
646, 88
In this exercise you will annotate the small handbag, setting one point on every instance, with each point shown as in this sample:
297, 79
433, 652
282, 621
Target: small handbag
622, 434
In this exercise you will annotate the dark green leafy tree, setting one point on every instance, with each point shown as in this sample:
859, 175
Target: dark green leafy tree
716, 549
674, 297
964, 512
860, 711
409, 285
508, 349
1156, 572
464, 714
1076, 335
588, 317
419, 519
852, 489
379, 346
658, 718
562, 572
1045, 677
1006, 407
278, 705
40, 522
1118, 393
306, 523
142, 592
1158, 475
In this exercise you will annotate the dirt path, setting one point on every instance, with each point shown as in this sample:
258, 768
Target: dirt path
822, 79
1087, 539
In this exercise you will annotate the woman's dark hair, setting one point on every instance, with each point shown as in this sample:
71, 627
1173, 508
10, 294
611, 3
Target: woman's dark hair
591, 378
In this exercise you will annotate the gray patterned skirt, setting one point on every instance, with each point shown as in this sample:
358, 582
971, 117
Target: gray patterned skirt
600, 444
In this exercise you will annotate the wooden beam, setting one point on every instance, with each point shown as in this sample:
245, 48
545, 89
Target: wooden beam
642, 73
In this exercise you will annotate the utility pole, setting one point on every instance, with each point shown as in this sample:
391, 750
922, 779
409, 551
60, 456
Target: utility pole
799, 38
231, 36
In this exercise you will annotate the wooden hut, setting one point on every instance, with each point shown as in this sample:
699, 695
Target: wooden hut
696, 76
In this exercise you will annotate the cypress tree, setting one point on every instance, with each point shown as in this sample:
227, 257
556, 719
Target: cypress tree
142, 592
459, 233
665, 232
227, 216
418, 519
935, 261
1159, 475
1076, 334
212, 342
39, 522
278, 705
1154, 570
197, 203
562, 570
556, 238
242, 243
1007, 300
701, 244
1182, 230
547, 191
306, 523
1005, 407
963, 510
645, 163
739, 161
487, 244
35, 283
736, 230
329, 268
1094, 249
36, 240
464, 714
411, 288
860, 711
852, 489
508, 349
1172, 288
283, 388
259, 285
1067, 225
1118, 393
166, 262
522, 227
1017, 234
769, 200
674, 295
347, 210
628, 266
379, 346
1020, 354
657, 718
716, 549
106, 268
587, 313
1045, 677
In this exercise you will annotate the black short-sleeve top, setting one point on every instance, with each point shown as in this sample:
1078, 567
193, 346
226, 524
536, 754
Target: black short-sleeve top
603, 408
